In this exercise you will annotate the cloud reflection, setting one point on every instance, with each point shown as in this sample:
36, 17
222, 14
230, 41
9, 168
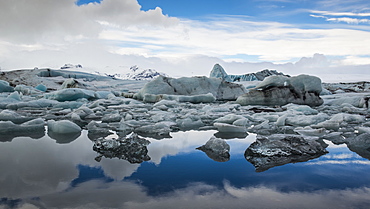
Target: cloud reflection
97, 194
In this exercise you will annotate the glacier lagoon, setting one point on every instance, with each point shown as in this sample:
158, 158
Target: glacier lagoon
49, 173
182, 152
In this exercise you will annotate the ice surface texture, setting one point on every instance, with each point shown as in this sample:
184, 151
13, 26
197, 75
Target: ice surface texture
216, 149
279, 149
200, 87
281, 90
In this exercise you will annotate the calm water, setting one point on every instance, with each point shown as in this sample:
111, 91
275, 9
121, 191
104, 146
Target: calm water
45, 173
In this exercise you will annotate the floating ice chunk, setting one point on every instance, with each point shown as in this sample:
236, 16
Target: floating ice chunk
306, 83
131, 148
158, 116
41, 87
305, 109
354, 99
70, 83
328, 124
40, 103
83, 112
97, 130
308, 131
70, 94
230, 118
352, 118
362, 130
216, 149
8, 115
281, 120
241, 122
201, 98
109, 118
26, 90
224, 127
281, 90
190, 123
265, 116
15, 96
63, 127
209, 108
279, 149
8, 127
103, 94
161, 128
75, 117
273, 81
167, 103
4, 87
191, 86
306, 120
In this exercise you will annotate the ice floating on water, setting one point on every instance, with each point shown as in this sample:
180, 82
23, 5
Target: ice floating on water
4, 87
279, 149
63, 127
216, 149
33, 128
193, 86
70, 94
282, 90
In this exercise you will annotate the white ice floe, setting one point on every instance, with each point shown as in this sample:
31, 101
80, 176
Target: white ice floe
224, 127
70, 94
41, 87
8, 127
63, 127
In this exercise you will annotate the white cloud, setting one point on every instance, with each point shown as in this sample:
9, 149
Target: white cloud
343, 19
328, 13
31, 21
117, 33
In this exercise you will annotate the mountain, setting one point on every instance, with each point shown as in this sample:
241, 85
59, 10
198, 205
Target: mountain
135, 73
219, 72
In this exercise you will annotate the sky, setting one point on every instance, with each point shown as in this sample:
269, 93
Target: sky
326, 38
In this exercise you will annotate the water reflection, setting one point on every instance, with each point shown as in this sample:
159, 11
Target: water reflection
64, 138
45, 174
8, 137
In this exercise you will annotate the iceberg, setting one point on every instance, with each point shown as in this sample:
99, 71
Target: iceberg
63, 127
192, 86
70, 94
281, 90
5, 87
34, 128
216, 149
131, 148
279, 149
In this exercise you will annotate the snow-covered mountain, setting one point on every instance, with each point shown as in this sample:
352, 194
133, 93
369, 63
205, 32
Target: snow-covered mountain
135, 73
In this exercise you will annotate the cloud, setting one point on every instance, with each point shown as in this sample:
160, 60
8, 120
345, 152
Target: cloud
343, 19
328, 13
30, 21
118, 33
